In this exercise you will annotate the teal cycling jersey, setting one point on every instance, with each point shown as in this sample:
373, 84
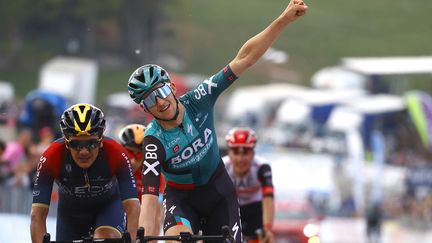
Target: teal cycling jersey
187, 155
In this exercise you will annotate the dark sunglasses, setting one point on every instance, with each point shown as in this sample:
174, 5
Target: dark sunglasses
150, 100
81, 144
241, 150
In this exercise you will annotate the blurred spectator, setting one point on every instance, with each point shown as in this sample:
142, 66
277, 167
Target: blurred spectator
15, 153
2, 147
2, 163
42, 109
373, 223
46, 137
343, 185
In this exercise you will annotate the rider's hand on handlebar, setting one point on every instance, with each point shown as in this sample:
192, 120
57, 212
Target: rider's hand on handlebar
266, 237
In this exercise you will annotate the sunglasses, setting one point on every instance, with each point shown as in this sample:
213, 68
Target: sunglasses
150, 100
81, 144
241, 150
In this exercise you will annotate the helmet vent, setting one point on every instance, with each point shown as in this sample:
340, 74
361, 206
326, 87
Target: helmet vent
139, 77
133, 86
68, 118
151, 71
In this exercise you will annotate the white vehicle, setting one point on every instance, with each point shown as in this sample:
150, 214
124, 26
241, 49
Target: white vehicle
252, 105
362, 72
301, 117
72, 77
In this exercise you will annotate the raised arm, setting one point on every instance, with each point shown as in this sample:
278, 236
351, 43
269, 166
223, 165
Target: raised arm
256, 46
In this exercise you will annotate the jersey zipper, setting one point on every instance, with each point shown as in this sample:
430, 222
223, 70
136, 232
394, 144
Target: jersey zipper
182, 129
86, 178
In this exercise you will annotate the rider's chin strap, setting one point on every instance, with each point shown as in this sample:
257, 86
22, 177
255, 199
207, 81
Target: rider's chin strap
175, 115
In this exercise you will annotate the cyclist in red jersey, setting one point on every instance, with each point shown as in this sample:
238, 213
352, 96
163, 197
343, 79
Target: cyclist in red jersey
96, 185
131, 138
252, 178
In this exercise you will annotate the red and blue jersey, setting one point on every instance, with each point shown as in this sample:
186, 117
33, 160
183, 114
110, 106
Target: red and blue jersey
110, 176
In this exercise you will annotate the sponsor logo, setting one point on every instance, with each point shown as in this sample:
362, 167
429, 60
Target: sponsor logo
171, 210
151, 189
39, 167
176, 148
173, 142
87, 191
191, 152
204, 120
151, 154
235, 229
130, 169
201, 90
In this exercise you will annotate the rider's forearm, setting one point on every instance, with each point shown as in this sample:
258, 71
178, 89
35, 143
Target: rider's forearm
268, 212
38, 224
255, 47
132, 209
148, 216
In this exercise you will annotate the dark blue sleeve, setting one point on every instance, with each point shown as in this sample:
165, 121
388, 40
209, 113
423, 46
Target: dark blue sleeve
45, 174
127, 185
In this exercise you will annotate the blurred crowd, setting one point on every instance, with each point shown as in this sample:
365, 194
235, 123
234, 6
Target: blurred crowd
19, 157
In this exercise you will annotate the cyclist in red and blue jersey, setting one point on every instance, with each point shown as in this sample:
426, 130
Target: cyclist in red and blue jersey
180, 142
96, 185
252, 178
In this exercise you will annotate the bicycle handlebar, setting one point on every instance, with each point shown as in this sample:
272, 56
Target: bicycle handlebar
126, 238
184, 237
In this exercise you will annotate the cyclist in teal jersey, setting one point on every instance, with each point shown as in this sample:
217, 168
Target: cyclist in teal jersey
181, 142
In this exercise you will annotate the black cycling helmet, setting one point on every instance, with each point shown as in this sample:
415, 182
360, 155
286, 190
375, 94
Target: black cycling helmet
82, 120
144, 79
132, 135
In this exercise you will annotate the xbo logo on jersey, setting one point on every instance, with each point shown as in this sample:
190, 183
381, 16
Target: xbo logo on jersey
200, 91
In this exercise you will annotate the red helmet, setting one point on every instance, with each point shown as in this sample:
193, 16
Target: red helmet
241, 137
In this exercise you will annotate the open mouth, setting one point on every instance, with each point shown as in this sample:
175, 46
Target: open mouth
164, 108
